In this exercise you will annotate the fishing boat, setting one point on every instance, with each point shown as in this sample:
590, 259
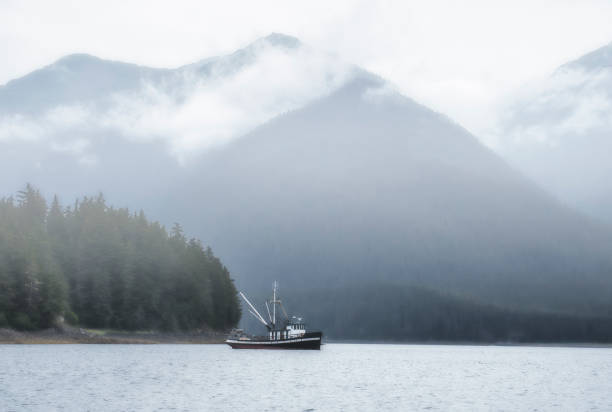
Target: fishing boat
284, 332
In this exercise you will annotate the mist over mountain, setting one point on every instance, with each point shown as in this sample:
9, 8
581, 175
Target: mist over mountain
559, 133
85, 122
367, 186
325, 178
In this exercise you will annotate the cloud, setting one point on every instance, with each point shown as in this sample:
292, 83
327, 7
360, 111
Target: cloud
53, 122
19, 127
220, 107
572, 104
193, 109
459, 58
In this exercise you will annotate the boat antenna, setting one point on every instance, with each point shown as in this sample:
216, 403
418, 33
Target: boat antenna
254, 311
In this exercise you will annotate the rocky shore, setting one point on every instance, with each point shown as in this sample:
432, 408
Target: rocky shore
74, 335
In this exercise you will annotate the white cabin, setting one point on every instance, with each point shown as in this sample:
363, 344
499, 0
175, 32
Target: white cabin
295, 328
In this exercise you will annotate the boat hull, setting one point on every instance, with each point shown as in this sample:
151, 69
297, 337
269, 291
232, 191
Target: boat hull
311, 340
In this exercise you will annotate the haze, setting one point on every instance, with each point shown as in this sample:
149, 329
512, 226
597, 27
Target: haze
365, 156
459, 59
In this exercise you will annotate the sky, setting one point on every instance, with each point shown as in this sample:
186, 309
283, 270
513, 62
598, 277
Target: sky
460, 58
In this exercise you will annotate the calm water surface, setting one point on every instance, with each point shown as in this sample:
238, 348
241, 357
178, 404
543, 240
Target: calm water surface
341, 377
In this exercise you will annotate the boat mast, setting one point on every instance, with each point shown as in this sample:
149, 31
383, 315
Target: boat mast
274, 306
275, 301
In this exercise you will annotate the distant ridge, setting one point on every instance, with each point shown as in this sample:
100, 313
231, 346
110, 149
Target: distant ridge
559, 133
318, 174
279, 40
366, 187
595, 60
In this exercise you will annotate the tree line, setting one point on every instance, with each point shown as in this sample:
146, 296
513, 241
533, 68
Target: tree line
417, 314
102, 267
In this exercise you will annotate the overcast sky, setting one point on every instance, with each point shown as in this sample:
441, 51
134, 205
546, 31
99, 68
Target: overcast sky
460, 58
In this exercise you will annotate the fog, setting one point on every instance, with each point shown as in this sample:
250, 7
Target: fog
348, 190
296, 166
558, 132
190, 108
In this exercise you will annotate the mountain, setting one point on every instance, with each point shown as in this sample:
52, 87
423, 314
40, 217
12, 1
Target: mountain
559, 133
72, 79
366, 186
86, 79
84, 122
294, 166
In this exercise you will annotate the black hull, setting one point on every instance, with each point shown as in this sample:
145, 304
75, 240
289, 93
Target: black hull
310, 341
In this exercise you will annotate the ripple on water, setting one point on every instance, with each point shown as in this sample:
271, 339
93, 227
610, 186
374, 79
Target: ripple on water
339, 377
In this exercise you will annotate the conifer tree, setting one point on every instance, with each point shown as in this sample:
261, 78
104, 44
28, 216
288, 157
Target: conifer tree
104, 267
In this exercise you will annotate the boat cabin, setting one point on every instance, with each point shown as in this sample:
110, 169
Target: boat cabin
294, 328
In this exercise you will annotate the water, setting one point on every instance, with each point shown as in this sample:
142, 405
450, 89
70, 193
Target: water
341, 377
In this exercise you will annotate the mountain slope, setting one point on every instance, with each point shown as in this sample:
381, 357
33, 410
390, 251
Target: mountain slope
86, 79
297, 168
559, 134
73, 79
367, 187
86, 121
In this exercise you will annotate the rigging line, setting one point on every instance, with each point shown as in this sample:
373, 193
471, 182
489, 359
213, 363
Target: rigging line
284, 312
256, 317
268, 308
256, 314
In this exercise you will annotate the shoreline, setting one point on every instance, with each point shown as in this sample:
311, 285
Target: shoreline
67, 335
72, 335
476, 343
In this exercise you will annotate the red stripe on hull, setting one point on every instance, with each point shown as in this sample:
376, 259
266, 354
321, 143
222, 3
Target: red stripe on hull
312, 344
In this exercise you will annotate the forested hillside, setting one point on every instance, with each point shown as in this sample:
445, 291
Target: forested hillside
418, 314
106, 268
357, 188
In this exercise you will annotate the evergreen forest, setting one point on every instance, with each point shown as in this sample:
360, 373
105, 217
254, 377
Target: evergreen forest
102, 267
